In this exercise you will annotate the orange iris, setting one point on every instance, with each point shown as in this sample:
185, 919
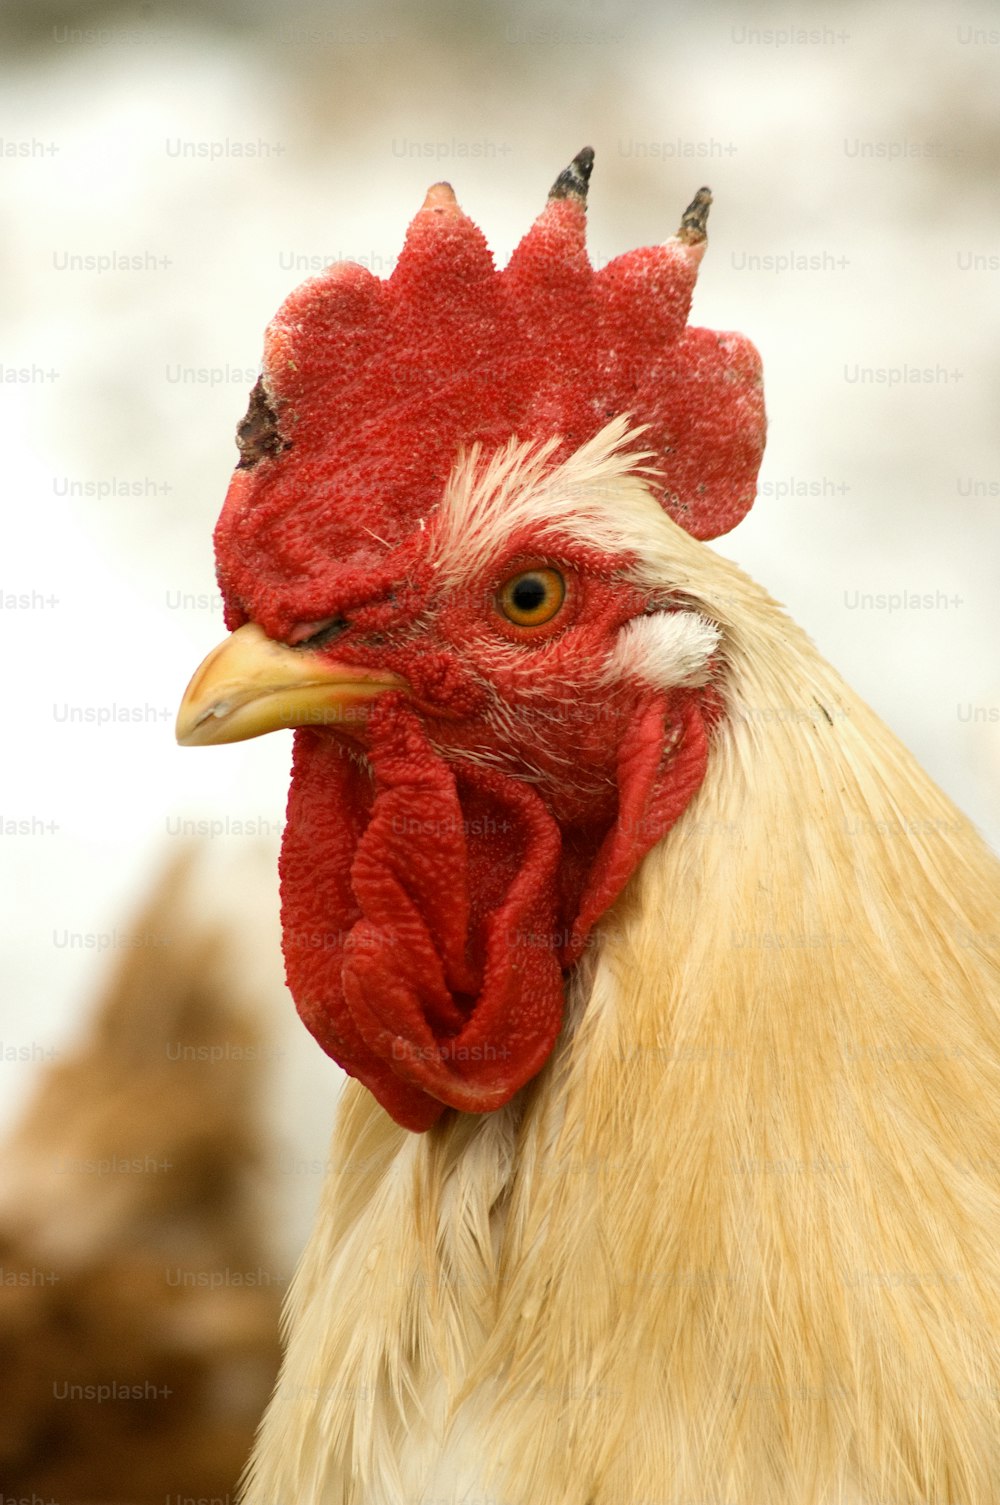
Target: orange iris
531, 597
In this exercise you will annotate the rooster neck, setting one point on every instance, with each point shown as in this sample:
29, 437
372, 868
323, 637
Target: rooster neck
737, 1240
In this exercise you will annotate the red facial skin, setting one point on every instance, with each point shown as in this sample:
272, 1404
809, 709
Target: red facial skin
445, 861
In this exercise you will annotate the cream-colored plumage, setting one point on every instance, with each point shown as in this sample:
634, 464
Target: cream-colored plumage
740, 1240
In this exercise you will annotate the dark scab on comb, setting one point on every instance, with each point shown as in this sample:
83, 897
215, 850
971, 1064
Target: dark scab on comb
257, 434
573, 180
694, 221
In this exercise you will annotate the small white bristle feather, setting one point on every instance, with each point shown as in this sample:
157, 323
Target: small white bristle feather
666, 650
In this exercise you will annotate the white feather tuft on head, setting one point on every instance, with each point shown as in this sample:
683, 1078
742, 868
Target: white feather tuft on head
666, 650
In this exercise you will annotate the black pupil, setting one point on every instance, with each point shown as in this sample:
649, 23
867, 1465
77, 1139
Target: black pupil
529, 593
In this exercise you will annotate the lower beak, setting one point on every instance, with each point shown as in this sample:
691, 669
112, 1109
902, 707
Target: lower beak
251, 684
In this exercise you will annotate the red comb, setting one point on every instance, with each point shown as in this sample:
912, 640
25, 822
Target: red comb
370, 388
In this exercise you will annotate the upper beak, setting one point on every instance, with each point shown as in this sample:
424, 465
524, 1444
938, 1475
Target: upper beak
251, 684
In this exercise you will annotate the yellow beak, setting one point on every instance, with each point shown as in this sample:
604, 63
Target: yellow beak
251, 684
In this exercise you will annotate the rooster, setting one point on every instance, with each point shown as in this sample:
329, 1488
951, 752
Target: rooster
668, 981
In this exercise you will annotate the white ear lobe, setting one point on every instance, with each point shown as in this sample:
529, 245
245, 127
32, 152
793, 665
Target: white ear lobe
666, 650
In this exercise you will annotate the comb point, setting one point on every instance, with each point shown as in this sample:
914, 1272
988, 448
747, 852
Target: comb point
441, 197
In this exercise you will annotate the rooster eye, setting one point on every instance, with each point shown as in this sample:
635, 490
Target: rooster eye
532, 597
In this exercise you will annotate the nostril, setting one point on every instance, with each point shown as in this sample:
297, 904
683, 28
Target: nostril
317, 634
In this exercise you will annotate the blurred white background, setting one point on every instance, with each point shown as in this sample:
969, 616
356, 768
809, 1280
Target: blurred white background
170, 173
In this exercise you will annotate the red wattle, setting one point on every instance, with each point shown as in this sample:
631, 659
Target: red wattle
425, 901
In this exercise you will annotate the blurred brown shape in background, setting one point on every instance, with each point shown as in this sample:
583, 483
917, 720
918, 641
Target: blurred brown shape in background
138, 1311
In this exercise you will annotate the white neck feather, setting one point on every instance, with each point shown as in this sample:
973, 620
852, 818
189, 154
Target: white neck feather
737, 1242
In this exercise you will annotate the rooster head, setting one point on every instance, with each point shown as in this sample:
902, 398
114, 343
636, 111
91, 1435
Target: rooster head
427, 557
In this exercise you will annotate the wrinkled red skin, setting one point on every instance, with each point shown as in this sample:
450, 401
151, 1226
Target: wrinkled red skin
427, 922
445, 863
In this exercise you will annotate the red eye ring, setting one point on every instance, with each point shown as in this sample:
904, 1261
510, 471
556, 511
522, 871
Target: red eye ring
531, 597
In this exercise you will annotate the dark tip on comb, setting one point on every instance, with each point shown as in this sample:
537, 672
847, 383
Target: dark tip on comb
257, 434
694, 220
573, 180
